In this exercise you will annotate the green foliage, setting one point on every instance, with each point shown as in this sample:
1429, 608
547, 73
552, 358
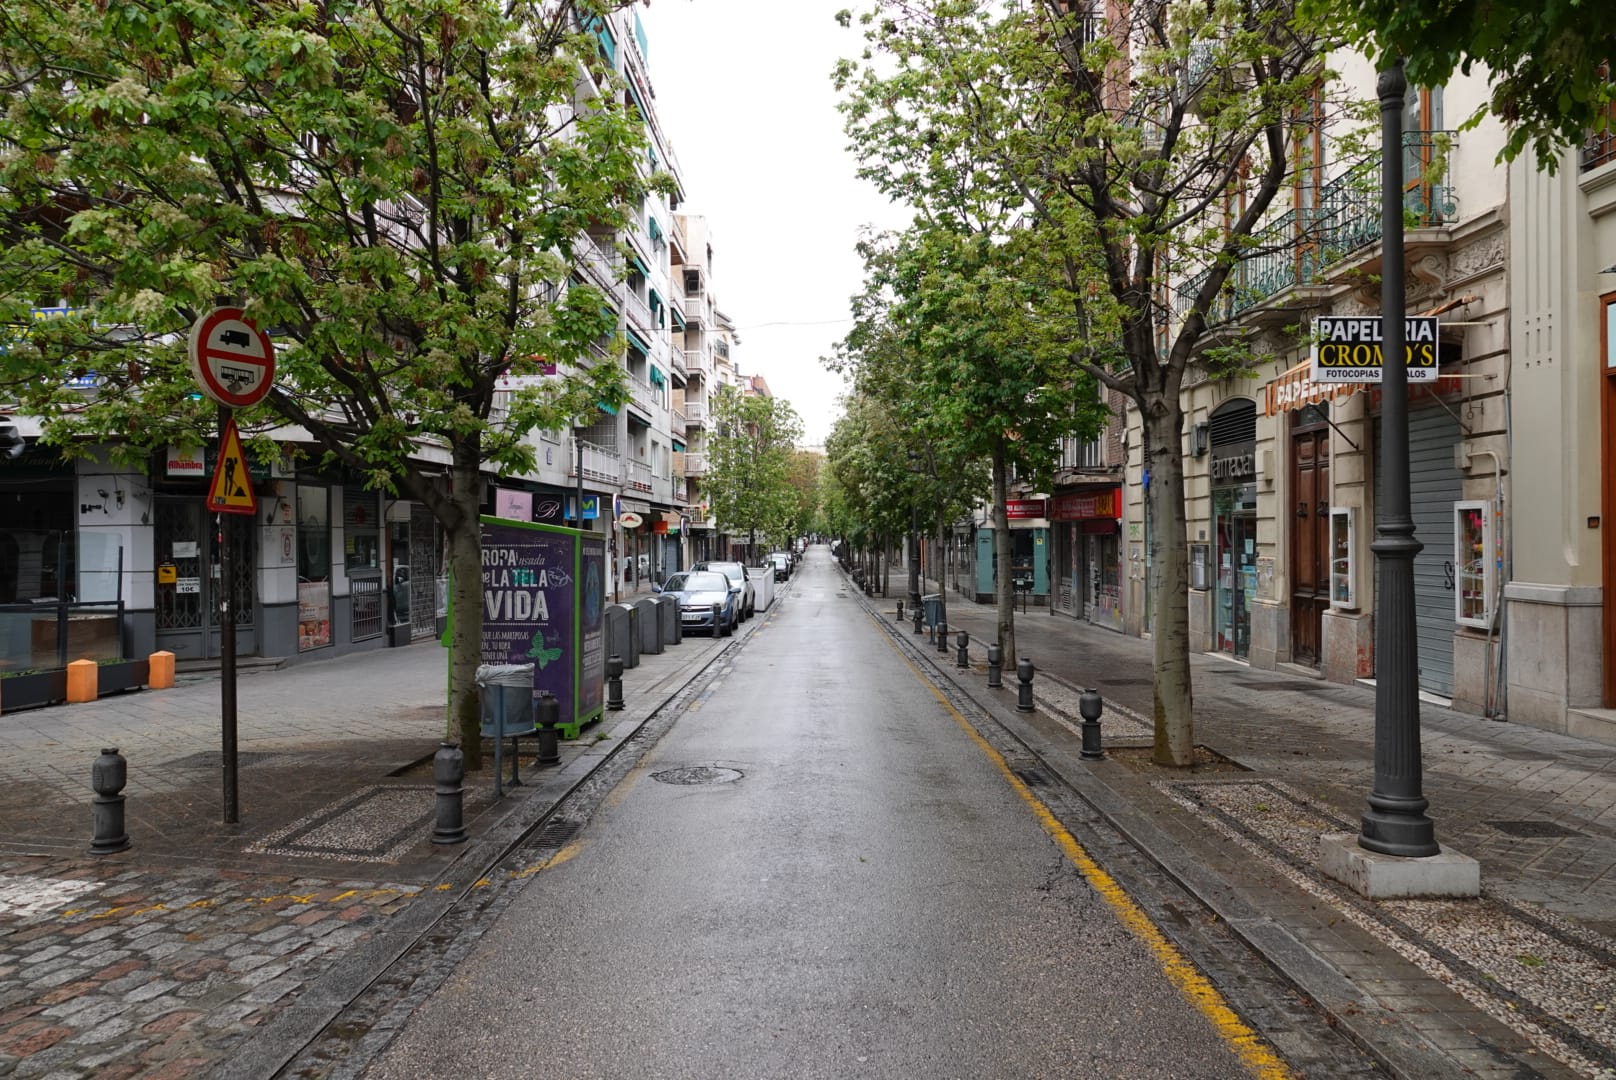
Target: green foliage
1544, 58
392, 188
749, 464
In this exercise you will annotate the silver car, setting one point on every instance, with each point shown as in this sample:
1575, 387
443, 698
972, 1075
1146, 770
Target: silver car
739, 581
706, 601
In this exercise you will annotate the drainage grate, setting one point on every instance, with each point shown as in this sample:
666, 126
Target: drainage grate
557, 833
698, 774
1534, 830
1032, 777
214, 759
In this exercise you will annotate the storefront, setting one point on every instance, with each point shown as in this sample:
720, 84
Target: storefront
1233, 470
1029, 553
1086, 564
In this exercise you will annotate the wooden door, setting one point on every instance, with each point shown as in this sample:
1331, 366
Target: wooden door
1310, 547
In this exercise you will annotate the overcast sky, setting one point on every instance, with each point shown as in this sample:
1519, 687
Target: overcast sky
743, 91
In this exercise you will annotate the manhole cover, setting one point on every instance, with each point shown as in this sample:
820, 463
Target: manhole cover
1534, 829
698, 774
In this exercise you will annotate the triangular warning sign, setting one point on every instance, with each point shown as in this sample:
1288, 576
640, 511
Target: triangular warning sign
231, 491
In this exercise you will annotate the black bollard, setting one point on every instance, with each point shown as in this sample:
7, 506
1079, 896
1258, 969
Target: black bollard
963, 660
548, 713
1024, 690
1089, 706
614, 677
448, 770
900, 611
108, 776
995, 668
942, 637
920, 618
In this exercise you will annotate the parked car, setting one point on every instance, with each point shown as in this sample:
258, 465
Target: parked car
739, 580
706, 601
782, 565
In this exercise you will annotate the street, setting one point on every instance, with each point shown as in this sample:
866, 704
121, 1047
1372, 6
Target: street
818, 872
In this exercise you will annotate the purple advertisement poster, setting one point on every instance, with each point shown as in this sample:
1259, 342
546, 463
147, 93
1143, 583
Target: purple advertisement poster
592, 628
532, 612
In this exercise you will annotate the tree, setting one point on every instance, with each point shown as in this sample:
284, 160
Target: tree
985, 367
749, 463
1145, 147
1548, 60
802, 474
393, 188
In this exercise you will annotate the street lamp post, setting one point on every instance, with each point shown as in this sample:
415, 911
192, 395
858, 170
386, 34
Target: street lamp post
1395, 823
914, 557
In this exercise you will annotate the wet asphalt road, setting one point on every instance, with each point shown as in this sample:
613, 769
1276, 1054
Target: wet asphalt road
869, 897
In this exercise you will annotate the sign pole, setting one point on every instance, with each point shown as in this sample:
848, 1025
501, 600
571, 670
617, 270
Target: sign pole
227, 650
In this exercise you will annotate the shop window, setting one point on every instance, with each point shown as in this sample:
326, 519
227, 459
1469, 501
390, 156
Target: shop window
1473, 560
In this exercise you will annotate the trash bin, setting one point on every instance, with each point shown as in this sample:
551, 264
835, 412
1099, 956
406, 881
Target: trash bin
507, 699
934, 607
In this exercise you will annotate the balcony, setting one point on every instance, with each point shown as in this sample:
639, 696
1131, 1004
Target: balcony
696, 411
598, 265
677, 363
602, 466
698, 362
678, 423
639, 477
1307, 246
695, 463
641, 397
638, 312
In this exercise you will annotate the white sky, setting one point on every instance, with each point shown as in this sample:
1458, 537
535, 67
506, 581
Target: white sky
743, 91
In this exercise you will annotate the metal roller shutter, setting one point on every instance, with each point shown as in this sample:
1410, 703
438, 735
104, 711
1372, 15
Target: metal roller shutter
1434, 486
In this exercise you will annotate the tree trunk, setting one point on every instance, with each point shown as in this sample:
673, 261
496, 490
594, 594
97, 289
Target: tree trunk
1004, 593
941, 564
1169, 584
465, 603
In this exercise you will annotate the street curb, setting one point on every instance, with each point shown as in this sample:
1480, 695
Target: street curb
279, 1042
1396, 1047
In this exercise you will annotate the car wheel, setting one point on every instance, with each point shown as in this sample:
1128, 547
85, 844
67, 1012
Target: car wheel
724, 630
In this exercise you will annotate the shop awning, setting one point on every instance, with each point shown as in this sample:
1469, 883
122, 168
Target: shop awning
1295, 389
639, 265
657, 378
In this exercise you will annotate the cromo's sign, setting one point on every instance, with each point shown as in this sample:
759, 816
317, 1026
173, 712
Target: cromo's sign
1348, 348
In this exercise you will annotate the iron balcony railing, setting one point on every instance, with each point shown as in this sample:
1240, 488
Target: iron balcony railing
1298, 247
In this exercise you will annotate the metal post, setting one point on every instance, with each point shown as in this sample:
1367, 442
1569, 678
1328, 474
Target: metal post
920, 620
107, 777
1395, 823
614, 677
1024, 687
227, 651
963, 660
448, 771
995, 668
499, 740
942, 636
549, 715
900, 610
1089, 707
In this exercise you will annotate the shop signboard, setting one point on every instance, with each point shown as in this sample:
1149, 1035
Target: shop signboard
1086, 505
1023, 509
543, 604
1347, 348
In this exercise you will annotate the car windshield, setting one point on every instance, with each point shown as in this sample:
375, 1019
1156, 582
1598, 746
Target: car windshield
698, 582
733, 570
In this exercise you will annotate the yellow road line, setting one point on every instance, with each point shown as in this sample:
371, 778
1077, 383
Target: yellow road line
1246, 1043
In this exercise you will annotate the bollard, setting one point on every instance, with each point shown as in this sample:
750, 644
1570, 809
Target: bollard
963, 660
995, 668
1024, 690
942, 637
900, 611
919, 621
614, 677
548, 713
1089, 706
448, 770
108, 776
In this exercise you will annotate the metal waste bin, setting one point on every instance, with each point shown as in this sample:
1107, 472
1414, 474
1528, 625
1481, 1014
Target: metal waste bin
507, 699
934, 607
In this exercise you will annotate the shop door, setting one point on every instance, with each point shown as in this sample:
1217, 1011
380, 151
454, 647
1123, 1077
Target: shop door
188, 606
1310, 526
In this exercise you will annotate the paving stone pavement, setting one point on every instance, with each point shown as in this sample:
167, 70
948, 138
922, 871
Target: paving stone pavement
163, 960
